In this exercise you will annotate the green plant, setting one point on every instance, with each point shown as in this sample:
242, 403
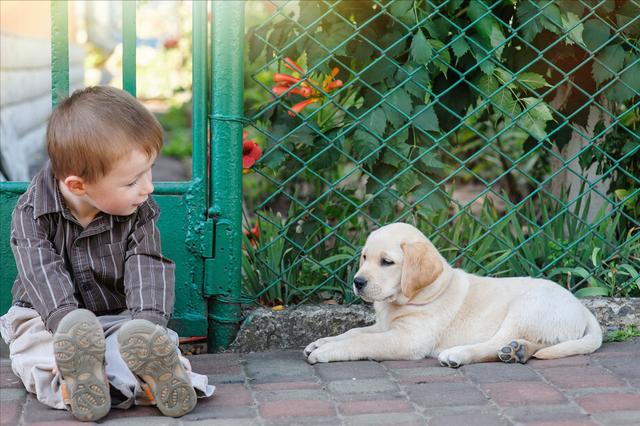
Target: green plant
629, 332
435, 95
279, 265
176, 123
612, 275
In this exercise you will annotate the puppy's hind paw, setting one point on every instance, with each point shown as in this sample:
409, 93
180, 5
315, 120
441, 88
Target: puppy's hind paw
513, 352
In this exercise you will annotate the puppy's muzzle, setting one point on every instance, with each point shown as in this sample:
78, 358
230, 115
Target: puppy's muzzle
359, 283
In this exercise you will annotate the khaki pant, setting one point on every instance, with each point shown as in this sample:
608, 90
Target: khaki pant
33, 361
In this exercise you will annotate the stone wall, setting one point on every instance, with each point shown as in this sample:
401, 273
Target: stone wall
25, 102
265, 329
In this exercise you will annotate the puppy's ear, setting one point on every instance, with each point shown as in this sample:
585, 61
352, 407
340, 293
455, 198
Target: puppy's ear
420, 267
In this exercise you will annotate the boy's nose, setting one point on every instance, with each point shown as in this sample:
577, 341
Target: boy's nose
149, 188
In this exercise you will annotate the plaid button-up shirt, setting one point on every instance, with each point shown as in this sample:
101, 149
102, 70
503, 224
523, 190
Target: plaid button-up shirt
113, 264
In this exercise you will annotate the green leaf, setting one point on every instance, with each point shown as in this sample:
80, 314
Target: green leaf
406, 182
273, 160
487, 84
571, 23
399, 143
529, 15
363, 144
426, 119
431, 161
376, 121
531, 79
486, 66
540, 110
460, 46
594, 256
595, 34
311, 12
443, 58
629, 85
504, 76
421, 50
497, 39
535, 128
484, 26
394, 117
552, 20
402, 10
401, 100
382, 206
611, 58
592, 292
418, 81
378, 71
392, 159
506, 104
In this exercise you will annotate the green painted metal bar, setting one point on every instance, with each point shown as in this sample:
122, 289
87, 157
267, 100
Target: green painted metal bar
129, 46
222, 282
59, 51
200, 90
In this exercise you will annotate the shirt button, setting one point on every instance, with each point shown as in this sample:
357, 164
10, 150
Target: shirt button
85, 287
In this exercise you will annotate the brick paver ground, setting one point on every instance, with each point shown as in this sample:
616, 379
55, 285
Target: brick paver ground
280, 388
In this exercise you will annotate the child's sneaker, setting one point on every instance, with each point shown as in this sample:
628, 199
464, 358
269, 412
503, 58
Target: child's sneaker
152, 356
78, 344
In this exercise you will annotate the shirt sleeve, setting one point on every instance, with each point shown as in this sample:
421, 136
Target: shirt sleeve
149, 276
41, 268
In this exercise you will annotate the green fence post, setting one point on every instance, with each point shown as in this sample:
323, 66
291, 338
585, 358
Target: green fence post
129, 46
59, 51
222, 273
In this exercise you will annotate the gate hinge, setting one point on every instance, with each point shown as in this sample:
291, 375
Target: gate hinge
220, 270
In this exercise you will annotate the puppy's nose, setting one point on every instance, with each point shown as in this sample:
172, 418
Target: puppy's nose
359, 282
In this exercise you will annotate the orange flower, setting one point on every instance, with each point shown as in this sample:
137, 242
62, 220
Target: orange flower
251, 153
303, 87
253, 234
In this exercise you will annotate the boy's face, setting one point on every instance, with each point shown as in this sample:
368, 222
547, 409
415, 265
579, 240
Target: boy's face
125, 187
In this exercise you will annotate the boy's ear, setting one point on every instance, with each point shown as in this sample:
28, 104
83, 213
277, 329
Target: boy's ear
75, 185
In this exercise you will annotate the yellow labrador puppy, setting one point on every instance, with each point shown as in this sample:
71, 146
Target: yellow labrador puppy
426, 308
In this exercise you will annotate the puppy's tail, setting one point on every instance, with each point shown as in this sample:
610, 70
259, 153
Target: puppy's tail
588, 343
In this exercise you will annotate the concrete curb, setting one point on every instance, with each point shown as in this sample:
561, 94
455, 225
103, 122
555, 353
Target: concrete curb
265, 329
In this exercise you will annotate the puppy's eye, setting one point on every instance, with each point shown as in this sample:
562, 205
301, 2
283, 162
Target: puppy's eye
364, 257
386, 262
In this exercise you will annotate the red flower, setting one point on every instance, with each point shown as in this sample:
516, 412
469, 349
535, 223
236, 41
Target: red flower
171, 43
303, 87
251, 153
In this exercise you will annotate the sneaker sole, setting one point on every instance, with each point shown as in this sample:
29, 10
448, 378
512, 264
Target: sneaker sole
152, 356
78, 345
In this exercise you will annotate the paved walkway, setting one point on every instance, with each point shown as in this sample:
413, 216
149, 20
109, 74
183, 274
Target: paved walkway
280, 388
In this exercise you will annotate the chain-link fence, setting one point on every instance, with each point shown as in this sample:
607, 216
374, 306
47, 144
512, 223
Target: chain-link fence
507, 131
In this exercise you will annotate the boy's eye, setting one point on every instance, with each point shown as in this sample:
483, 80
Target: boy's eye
132, 183
386, 262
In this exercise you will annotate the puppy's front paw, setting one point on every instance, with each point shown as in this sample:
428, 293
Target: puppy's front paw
315, 345
329, 351
453, 357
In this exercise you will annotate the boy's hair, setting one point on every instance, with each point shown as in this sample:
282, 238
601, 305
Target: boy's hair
94, 127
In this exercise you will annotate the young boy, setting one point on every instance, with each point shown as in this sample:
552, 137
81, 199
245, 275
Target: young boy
94, 293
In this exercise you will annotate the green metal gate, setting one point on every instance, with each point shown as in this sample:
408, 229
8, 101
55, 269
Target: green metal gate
200, 219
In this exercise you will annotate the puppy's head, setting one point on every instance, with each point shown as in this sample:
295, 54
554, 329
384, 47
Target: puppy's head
397, 261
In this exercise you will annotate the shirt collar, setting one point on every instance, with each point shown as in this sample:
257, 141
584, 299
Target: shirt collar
47, 196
